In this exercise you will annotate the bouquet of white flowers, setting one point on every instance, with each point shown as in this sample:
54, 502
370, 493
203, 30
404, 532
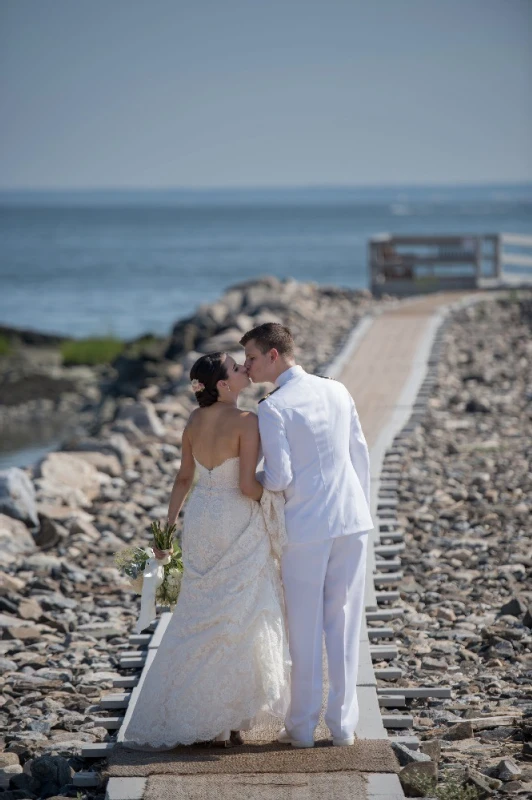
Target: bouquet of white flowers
157, 580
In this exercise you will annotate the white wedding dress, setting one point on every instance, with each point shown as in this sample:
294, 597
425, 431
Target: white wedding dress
223, 662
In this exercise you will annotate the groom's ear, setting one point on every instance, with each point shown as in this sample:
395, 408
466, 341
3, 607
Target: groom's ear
274, 354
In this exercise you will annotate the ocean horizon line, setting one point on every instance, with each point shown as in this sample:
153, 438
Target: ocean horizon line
318, 193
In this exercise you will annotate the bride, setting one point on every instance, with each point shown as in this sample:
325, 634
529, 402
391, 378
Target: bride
223, 661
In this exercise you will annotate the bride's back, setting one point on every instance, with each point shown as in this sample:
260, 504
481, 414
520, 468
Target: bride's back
214, 434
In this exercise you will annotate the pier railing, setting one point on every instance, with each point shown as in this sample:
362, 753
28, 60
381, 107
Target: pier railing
405, 265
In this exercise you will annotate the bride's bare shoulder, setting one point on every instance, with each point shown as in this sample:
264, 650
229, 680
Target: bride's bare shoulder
248, 422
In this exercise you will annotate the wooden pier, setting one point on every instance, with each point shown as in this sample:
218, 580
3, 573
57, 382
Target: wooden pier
407, 265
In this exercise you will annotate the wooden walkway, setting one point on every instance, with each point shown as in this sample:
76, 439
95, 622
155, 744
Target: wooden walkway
383, 367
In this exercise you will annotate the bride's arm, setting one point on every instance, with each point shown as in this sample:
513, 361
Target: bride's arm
183, 481
249, 454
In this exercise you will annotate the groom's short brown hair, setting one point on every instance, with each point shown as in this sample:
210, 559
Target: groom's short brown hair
271, 335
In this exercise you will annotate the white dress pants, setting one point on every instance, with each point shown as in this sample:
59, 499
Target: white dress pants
324, 591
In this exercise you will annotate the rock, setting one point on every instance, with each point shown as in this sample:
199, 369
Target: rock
432, 749
515, 607
485, 786
17, 496
527, 619
434, 663
50, 533
108, 464
474, 406
115, 445
100, 630
52, 772
7, 772
446, 614
42, 563
8, 759
15, 540
26, 633
9, 583
462, 730
143, 416
414, 778
30, 609
508, 770
407, 756
62, 471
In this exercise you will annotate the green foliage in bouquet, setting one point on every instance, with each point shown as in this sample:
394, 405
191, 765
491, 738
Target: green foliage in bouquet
132, 560
168, 591
163, 537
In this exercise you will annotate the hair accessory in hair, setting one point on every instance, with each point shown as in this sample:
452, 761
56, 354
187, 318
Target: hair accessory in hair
197, 386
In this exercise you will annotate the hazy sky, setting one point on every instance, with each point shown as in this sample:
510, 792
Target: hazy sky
171, 93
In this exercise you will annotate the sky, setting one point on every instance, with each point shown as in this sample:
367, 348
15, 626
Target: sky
248, 93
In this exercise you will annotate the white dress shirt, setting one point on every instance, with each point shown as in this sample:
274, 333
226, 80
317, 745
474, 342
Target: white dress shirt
314, 450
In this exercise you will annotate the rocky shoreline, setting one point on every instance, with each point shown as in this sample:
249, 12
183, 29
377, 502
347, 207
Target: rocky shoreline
65, 612
465, 500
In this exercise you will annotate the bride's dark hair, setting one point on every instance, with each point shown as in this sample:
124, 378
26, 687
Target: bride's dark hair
208, 370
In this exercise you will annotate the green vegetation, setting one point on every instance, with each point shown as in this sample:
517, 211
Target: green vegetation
97, 350
447, 789
141, 345
5, 346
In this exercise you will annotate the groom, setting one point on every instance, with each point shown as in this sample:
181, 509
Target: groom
315, 452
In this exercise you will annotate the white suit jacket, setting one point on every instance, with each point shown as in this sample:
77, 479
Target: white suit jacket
314, 450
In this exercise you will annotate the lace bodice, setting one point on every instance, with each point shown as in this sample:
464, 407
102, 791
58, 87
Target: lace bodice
221, 478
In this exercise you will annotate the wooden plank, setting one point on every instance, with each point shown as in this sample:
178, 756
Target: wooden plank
388, 673
383, 652
97, 749
517, 239
387, 597
116, 700
126, 682
516, 260
397, 720
387, 578
111, 723
387, 564
384, 614
380, 633
418, 691
386, 550
391, 701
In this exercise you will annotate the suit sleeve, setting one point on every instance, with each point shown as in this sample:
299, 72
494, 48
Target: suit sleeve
277, 475
358, 450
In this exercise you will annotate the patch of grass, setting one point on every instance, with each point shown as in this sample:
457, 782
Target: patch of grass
5, 346
96, 350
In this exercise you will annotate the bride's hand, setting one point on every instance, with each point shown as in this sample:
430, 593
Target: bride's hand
161, 553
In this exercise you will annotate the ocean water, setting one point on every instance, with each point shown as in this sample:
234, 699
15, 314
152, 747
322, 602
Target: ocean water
128, 263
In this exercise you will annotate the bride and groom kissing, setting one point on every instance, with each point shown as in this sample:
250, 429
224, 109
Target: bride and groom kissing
271, 559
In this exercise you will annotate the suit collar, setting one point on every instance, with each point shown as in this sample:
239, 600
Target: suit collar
289, 374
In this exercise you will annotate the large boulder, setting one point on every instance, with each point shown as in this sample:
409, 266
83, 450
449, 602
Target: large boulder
107, 464
17, 496
64, 475
143, 416
15, 540
116, 444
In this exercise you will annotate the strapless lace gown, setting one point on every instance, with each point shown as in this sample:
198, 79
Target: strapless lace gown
223, 661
